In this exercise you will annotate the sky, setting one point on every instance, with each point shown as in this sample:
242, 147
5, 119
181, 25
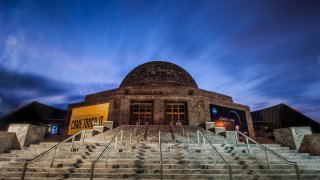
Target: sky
261, 53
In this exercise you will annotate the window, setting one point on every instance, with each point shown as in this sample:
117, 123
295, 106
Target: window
141, 113
176, 114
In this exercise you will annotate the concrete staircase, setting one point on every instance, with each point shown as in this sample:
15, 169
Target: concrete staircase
139, 158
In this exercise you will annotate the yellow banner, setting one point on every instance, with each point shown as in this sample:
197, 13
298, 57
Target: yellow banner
87, 117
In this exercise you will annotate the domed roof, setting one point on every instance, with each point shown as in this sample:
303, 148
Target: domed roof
158, 72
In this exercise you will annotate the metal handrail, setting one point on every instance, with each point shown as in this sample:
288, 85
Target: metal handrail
133, 133
54, 148
160, 153
115, 137
215, 150
182, 130
271, 151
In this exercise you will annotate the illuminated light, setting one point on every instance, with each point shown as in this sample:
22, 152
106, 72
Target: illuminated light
237, 127
54, 129
219, 124
214, 111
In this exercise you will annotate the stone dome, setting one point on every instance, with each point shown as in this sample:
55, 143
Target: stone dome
156, 73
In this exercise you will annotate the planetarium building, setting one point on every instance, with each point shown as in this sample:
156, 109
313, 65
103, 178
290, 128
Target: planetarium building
159, 93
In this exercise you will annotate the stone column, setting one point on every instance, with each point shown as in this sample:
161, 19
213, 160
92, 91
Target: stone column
124, 118
249, 122
158, 112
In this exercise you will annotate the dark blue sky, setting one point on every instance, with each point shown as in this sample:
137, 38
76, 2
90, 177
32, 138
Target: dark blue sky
259, 52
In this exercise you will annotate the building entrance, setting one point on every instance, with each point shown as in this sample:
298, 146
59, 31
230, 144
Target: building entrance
141, 113
176, 113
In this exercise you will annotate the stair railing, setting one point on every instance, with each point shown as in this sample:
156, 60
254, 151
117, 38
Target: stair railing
296, 166
215, 151
114, 138
133, 133
160, 154
54, 149
182, 130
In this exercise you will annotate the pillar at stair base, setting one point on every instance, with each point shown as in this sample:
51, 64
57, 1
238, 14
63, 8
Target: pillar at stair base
291, 136
88, 134
27, 134
310, 144
108, 125
210, 125
97, 130
8, 141
231, 136
219, 130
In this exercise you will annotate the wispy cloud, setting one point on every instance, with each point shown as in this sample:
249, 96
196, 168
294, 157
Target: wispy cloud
17, 89
13, 51
260, 53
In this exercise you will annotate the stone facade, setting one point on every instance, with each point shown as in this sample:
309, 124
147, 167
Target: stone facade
160, 83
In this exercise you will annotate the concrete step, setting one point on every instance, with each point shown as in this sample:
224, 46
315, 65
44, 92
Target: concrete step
114, 169
168, 176
139, 159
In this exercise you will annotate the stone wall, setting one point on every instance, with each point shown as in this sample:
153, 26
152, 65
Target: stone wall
197, 103
162, 91
27, 134
310, 144
8, 141
291, 137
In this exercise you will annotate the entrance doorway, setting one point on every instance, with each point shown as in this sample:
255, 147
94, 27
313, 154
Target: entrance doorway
141, 113
176, 113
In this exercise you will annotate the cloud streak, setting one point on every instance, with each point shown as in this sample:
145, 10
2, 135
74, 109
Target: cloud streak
260, 53
17, 89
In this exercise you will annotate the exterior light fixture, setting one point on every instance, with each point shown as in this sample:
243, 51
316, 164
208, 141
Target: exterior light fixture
237, 127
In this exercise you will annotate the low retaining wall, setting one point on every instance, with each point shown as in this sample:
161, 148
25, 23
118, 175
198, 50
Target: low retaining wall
8, 141
291, 137
27, 134
310, 144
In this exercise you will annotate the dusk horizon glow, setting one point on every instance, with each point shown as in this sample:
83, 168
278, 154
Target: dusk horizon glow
261, 53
